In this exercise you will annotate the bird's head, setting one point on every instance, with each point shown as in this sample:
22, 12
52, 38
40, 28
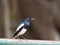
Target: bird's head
27, 21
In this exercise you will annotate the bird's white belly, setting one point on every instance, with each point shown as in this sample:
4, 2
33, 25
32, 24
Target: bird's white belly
22, 31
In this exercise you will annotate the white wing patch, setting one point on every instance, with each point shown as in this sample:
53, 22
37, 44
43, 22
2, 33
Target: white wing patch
20, 26
22, 31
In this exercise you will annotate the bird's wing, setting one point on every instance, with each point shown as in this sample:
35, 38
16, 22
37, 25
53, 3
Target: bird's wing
20, 26
22, 31
17, 32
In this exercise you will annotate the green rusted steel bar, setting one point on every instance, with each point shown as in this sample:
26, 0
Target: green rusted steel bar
27, 42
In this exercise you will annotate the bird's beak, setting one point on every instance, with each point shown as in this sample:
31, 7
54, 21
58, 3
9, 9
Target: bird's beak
32, 18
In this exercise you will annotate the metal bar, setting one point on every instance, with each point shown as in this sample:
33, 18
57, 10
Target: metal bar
27, 42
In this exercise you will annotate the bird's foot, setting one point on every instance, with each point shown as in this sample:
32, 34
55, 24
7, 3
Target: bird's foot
21, 37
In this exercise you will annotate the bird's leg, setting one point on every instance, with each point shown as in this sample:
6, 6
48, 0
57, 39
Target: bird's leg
21, 37
15, 37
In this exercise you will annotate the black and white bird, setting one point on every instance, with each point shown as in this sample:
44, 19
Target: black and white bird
22, 28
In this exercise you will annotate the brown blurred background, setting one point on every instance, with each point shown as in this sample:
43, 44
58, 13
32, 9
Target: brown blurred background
46, 25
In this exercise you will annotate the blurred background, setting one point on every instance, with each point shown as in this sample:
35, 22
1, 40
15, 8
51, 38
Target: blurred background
46, 25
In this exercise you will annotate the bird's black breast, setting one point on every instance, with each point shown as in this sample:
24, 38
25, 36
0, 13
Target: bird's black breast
26, 27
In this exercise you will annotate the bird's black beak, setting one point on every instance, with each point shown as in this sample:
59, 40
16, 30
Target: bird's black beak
32, 18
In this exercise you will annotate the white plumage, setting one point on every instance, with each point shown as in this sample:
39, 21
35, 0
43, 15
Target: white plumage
20, 26
22, 31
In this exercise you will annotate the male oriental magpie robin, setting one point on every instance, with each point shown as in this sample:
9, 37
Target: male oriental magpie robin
22, 28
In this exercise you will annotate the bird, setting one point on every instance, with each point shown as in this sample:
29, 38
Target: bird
22, 28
